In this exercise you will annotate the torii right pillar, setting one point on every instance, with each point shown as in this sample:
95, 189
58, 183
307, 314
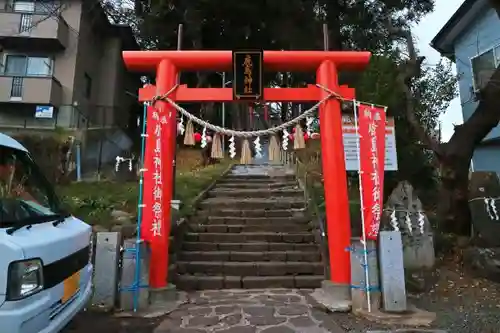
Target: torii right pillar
334, 179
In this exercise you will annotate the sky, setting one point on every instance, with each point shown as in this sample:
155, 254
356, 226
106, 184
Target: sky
424, 32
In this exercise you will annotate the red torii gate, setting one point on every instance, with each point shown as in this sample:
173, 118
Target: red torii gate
168, 64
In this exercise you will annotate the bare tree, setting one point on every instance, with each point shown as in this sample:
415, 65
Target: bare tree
453, 157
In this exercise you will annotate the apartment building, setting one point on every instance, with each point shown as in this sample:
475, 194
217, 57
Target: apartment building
61, 66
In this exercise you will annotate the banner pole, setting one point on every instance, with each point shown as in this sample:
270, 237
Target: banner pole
365, 247
136, 286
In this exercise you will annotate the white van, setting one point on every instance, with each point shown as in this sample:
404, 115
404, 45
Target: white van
45, 261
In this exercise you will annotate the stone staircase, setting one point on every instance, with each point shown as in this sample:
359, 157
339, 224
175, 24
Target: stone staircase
252, 231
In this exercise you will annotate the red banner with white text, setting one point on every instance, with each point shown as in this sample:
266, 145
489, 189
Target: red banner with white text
371, 131
153, 220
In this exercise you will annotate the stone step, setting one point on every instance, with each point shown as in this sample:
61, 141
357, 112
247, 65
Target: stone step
251, 221
216, 204
204, 282
258, 185
236, 228
242, 237
256, 268
256, 179
255, 193
256, 213
309, 256
271, 175
249, 247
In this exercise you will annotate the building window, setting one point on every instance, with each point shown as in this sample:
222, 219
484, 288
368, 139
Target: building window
21, 65
484, 66
88, 86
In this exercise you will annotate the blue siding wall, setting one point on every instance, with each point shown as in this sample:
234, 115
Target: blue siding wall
483, 34
487, 159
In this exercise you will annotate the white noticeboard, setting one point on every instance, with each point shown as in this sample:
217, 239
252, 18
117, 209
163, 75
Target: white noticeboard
43, 111
350, 146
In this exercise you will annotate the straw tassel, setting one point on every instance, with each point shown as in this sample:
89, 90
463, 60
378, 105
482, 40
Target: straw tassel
189, 134
217, 147
298, 138
274, 149
246, 152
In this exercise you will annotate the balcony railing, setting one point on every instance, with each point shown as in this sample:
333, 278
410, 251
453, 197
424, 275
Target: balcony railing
17, 87
26, 23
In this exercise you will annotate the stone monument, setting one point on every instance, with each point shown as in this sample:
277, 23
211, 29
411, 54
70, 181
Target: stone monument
403, 212
484, 202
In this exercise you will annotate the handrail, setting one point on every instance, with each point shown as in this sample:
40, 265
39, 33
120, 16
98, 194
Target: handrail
290, 159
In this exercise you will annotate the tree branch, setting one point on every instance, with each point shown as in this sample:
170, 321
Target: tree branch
496, 6
408, 70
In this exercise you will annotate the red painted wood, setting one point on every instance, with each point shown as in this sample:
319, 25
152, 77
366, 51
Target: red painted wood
184, 94
146, 61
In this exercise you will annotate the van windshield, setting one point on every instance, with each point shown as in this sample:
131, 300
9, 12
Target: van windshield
25, 194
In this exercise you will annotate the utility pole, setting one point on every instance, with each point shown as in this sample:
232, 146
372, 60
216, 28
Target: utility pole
223, 113
326, 42
179, 47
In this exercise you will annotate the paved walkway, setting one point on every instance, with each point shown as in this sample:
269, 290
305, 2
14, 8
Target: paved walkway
249, 311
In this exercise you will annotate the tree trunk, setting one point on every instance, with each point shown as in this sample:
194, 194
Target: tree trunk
234, 108
335, 41
453, 208
455, 156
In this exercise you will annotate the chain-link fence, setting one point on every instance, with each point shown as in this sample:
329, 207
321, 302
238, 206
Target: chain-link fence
101, 137
97, 155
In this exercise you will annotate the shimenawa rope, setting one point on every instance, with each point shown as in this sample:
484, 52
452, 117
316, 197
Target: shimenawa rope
247, 134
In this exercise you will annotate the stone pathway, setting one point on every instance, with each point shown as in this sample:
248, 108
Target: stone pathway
249, 311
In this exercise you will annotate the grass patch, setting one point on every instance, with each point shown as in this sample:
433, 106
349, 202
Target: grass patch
93, 202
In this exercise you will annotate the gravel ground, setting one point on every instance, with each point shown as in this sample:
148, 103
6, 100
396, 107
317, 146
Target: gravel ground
463, 304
